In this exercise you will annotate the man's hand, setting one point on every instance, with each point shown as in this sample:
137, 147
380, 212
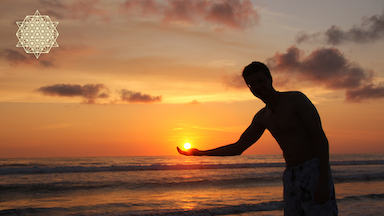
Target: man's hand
322, 192
190, 152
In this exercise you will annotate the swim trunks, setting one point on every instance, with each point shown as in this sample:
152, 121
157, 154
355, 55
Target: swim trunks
299, 186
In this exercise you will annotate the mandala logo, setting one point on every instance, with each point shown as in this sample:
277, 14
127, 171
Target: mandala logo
37, 34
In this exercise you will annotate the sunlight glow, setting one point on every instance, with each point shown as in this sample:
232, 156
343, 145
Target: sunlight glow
187, 145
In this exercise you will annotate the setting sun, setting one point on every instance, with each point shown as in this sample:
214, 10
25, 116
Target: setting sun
187, 145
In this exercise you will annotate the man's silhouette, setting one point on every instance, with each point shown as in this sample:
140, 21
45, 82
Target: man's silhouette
295, 124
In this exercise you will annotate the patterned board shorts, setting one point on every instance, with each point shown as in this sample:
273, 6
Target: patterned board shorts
299, 185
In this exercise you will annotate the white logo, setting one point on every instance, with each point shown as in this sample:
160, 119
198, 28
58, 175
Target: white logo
37, 34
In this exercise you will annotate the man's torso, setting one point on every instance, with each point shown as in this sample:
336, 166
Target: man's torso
285, 125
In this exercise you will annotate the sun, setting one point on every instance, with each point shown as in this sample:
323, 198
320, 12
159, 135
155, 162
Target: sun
187, 145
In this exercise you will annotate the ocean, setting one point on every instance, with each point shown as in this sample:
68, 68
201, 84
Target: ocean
176, 185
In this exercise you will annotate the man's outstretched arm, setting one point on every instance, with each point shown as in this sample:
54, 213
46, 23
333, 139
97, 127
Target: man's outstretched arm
250, 136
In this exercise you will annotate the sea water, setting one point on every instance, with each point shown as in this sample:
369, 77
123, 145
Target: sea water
176, 185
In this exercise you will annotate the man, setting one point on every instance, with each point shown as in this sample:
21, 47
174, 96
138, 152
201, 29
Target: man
295, 124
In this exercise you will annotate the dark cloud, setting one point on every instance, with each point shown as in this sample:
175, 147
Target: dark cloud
366, 92
138, 97
325, 66
235, 14
371, 29
235, 81
16, 58
90, 92
47, 63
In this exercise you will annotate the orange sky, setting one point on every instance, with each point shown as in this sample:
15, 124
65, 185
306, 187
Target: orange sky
132, 79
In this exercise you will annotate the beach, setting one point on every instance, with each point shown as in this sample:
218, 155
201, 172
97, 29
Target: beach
176, 185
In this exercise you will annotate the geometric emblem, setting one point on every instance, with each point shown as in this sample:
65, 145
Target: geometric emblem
37, 34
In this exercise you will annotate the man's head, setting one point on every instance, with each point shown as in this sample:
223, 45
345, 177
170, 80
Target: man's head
257, 67
258, 79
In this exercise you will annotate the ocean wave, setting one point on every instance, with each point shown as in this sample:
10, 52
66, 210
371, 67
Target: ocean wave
74, 169
168, 184
23, 169
366, 196
356, 162
22, 165
173, 183
234, 209
222, 210
358, 177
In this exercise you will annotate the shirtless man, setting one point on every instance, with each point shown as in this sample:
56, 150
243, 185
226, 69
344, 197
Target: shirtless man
295, 124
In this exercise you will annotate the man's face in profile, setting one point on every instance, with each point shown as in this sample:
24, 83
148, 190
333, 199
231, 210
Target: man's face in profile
259, 84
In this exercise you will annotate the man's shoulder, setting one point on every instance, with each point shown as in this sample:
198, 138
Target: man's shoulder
294, 95
298, 99
260, 115
261, 112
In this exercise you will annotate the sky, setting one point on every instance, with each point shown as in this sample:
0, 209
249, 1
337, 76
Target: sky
140, 77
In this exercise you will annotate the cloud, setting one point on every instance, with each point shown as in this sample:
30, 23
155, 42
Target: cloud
16, 58
90, 92
366, 92
194, 102
47, 63
324, 66
235, 81
78, 10
83, 9
371, 29
146, 7
234, 14
138, 97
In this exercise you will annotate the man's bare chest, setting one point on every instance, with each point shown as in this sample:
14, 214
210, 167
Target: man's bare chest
283, 121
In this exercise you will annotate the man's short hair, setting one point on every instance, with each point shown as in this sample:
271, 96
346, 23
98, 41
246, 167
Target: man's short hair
256, 67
